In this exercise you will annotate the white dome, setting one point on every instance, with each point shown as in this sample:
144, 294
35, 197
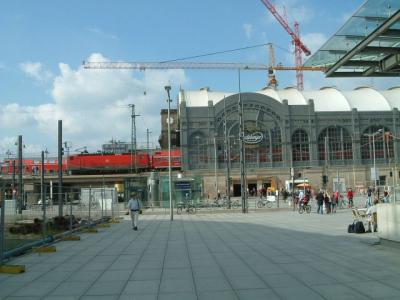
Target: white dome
327, 99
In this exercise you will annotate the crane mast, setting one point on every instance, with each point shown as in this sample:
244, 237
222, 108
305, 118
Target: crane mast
298, 44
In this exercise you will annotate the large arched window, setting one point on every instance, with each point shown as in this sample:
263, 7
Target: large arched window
383, 143
198, 150
300, 146
335, 143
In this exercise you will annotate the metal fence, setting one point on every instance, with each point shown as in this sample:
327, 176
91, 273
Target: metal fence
40, 222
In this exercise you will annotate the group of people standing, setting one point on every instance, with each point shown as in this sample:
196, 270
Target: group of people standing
333, 201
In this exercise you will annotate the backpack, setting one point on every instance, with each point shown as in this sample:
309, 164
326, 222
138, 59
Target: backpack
351, 228
359, 227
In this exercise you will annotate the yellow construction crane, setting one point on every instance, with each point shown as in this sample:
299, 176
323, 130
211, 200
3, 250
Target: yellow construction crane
142, 66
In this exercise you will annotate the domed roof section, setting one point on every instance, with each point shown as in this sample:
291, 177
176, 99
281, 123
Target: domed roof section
270, 92
328, 99
201, 97
392, 95
367, 99
293, 96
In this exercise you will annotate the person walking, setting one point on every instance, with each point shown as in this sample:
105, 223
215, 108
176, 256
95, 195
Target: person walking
327, 202
369, 198
320, 202
350, 196
334, 203
134, 209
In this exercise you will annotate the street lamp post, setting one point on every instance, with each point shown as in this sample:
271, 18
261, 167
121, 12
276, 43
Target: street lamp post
171, 215
215, 165
373, 150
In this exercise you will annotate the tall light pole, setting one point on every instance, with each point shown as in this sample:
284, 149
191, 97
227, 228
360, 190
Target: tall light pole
171, 215
215, 164
242, 152
373, 150
133, 138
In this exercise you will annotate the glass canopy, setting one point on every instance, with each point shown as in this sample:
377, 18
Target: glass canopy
368, 44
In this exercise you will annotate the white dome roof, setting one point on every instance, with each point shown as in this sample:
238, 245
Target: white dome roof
325, 99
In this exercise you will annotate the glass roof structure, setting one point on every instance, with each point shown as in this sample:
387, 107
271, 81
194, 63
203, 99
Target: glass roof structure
368, 44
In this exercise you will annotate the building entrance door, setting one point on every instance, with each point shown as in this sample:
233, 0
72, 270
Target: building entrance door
252, 189
236, 190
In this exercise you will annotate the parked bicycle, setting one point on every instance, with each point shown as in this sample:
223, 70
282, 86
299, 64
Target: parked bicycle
188, 207
304, 207
268, 202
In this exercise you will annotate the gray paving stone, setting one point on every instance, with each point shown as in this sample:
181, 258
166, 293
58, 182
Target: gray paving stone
204, 284
71, 288
138, 297
146, 274
177, 296
89, 276
36, 289
106, 288
335, 291
218, 295
115, 275
176, 286
247, 282
376, 289
141, 287
179, 273
257, 294
298, 292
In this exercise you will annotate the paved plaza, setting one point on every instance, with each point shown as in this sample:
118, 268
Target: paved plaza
261, 255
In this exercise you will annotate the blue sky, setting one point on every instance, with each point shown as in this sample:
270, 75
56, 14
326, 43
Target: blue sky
44, 43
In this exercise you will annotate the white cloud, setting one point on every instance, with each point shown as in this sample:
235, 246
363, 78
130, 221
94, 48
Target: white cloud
314, 40
36, 71
93, 105
248, 30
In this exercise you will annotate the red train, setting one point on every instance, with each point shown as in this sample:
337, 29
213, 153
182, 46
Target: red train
101, 163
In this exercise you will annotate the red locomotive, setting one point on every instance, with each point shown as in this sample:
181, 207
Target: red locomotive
107, 163
160, 159
86, 163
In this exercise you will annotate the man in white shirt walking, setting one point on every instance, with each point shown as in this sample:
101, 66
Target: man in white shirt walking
134, 208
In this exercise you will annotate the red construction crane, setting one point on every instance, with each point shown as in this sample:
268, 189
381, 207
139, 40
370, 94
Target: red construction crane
298, 44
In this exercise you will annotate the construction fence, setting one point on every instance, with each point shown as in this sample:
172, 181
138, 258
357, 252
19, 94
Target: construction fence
40, 223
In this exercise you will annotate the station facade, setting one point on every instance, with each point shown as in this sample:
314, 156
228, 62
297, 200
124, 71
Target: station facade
327, 136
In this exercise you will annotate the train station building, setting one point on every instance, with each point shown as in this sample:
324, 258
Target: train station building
325, 132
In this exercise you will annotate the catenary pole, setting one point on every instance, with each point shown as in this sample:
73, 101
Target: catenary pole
171, 215
60, 174
20, 170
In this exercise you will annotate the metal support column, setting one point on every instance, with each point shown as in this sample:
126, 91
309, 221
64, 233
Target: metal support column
243, 190
60, 174
20, 169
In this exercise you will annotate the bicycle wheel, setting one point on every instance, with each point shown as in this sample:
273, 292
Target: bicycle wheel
260, 204
308, 209
269, 204
191, 210
301, 209
236, 204
179, 210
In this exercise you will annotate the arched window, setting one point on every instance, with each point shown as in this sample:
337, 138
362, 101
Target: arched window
383, 143
198, 150
300, 146
335, 143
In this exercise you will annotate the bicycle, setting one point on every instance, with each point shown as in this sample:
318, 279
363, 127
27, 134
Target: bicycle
265, 202
188, 207
304, 207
